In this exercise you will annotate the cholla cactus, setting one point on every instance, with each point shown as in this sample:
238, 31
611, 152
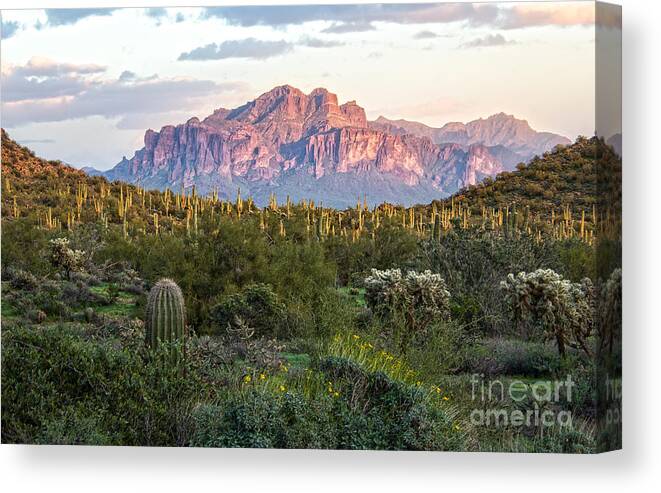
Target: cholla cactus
563, 309
420, 297
63, 257
610, 309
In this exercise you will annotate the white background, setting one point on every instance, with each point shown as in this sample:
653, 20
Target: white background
636, 468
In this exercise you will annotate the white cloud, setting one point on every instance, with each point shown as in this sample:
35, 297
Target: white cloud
487, 41
241, 48
43, 91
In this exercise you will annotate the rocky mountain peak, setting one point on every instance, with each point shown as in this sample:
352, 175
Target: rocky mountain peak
310, 146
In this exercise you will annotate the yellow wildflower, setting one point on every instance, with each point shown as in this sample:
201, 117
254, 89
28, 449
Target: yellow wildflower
446, 398
282, 388
247, 379
262, 376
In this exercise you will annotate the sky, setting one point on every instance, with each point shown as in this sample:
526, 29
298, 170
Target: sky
83, 85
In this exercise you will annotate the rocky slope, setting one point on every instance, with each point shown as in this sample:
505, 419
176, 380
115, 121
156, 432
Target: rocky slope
19, 162
310, 146
500, 129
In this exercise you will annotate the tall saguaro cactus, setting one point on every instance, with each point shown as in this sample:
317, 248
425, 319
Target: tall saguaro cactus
165, 319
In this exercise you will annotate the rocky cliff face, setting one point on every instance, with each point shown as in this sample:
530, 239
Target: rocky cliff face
496, 130
310, 146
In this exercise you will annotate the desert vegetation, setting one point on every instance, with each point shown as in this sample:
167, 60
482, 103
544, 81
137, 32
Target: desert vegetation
139, 317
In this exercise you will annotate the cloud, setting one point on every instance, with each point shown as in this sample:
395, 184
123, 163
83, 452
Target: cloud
156, 12
77, 92
319, 43
252, 48
241, 48
9, 28
42, 78
26, 142
348, 27
63, 17
45, 67
127, 75
486, 41
425, 35
522, 16
398, 13
503, 16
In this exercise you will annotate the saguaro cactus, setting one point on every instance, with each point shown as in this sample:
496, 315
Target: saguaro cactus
165, 318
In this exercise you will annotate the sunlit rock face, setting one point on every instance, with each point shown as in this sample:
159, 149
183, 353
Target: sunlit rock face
296, 143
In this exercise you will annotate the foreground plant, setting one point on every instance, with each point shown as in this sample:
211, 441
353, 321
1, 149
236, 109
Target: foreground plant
421, 298
563, 309
165, 318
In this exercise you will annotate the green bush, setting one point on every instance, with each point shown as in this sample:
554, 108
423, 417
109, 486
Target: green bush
498, 356
473, 263
256, 305
382, 413
369, 411
121, 396
261, 419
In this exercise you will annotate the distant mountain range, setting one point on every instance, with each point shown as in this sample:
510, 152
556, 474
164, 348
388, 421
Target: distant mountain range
309, 146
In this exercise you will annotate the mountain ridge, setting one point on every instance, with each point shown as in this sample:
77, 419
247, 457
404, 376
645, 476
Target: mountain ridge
285, 137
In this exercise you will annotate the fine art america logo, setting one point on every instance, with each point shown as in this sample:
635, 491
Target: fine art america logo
516, 403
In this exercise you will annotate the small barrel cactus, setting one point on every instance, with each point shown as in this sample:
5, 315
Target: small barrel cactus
165, 319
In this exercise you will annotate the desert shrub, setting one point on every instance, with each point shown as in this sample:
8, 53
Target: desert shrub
22, 247
439, 351
49, 298
78, 293
579, 438
473, 263
21, 279
577, 259
36, 316
262, 419
417, 299
382, 413
610, 311
74, 426
127, 395
563, 310
365, 410
256, 306
497, 356
584, 392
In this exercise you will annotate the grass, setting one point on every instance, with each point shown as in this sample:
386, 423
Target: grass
7, 311
124, 305
357, 295
298, 360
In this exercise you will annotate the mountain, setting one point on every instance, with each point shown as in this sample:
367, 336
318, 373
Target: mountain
501, 129
583, 175
308, 146
22, 163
